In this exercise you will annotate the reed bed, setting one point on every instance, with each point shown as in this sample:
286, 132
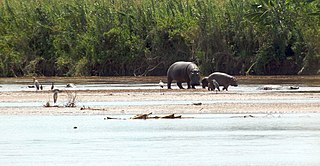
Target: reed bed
144, 37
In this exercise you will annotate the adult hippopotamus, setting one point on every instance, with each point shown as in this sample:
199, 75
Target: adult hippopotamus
183, 72
223, 79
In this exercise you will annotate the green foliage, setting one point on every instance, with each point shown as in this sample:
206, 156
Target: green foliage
144, 37
281, 40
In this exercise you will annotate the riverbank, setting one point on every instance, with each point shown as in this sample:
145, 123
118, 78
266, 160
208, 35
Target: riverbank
137, 101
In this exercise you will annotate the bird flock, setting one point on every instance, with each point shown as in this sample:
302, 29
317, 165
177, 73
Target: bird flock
38, 87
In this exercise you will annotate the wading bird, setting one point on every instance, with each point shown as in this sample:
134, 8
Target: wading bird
36, 83
55, 95
52, 86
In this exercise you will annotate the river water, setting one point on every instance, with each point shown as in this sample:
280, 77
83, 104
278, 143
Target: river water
204, 139
214, 139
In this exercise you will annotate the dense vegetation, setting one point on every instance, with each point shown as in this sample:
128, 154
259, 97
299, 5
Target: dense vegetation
144, 37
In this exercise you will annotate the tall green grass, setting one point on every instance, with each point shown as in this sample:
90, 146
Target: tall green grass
144, 37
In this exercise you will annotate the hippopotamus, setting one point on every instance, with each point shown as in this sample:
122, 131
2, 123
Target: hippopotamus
223, 79
183, 72
204, 82
212, 85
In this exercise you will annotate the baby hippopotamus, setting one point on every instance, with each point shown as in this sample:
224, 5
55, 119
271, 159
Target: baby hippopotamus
212, 85
222, 79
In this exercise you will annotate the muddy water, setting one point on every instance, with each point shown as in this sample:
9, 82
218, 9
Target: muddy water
224, 139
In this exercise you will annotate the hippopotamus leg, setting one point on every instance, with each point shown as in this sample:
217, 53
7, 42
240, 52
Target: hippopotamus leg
211, 86
180, 85
189, 85
217, 86
225, 87
169, 83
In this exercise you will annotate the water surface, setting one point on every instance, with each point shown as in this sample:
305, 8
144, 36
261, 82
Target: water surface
215, 139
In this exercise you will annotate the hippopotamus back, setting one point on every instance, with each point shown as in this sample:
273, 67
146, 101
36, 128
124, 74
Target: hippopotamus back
183, 72
223, 79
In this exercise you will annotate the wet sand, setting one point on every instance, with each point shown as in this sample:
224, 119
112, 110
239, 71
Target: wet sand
199, 101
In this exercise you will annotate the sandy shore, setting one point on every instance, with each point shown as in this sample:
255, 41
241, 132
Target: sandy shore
198, 101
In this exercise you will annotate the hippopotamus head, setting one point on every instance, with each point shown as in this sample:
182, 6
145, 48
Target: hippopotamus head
204, 82
233, 81
194, 77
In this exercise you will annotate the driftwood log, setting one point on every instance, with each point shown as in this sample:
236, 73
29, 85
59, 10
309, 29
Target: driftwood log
94, 109
171, 116
147, 116
141, 116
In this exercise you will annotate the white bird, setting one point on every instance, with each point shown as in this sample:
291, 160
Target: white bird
161, 84
70, 85
36, 83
